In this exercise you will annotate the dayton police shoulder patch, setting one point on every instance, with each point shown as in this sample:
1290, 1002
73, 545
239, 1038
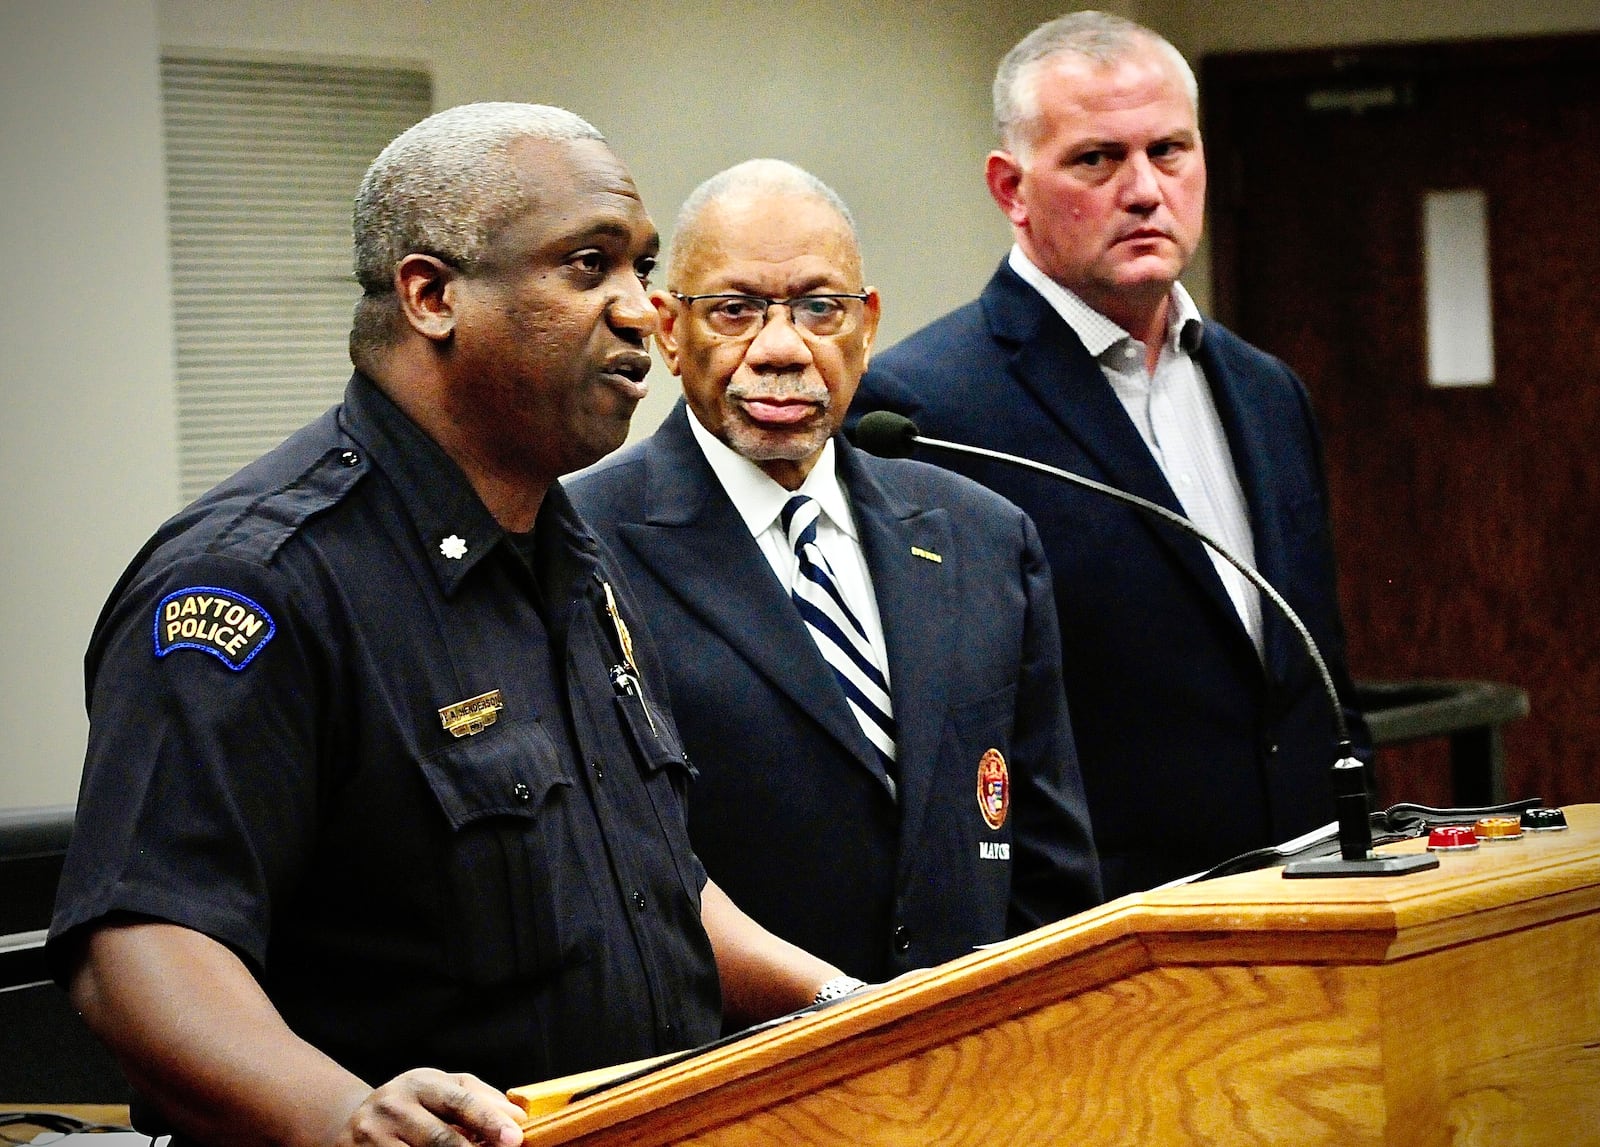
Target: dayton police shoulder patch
227, 625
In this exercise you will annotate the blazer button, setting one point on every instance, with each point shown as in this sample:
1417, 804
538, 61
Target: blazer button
638, 900
521, 792
902, 938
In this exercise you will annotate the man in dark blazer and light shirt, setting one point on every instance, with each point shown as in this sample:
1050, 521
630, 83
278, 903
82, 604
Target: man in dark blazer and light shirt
866, 676
1201, 726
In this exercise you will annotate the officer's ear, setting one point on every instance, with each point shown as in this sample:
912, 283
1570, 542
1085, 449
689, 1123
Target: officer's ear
427, 288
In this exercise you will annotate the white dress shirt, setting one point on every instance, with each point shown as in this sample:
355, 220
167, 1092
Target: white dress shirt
1175, 414
759, 500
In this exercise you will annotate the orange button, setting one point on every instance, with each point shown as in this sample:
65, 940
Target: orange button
1499, 828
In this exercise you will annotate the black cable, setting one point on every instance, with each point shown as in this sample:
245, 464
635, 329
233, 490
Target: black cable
52, 1121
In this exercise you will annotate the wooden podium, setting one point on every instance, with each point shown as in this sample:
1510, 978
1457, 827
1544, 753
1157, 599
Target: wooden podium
1454, 1006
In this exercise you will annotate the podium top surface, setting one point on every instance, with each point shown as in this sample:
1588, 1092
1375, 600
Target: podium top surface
1499, 886
1254, 918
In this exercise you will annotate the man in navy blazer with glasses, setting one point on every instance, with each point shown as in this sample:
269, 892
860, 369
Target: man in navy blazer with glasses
862, 653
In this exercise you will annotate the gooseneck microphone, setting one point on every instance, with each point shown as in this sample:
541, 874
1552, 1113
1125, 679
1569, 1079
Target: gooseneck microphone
890, 435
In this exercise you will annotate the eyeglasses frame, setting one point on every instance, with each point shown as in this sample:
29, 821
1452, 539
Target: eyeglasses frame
769, 303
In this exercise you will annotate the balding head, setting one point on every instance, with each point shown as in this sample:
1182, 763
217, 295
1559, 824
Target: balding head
744, 183
772, 383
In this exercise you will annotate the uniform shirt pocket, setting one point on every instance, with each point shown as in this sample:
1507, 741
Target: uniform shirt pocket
666, 773
522, 905
653, 735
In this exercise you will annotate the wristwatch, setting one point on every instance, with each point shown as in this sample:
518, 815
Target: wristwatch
837, 989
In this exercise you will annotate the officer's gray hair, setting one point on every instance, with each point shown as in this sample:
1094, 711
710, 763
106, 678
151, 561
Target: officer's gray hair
749, 180
442, 188
1099, 36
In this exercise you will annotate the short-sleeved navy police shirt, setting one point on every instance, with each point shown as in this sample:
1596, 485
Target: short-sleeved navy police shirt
268, 765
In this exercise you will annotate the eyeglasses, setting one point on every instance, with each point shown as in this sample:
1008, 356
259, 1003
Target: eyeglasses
743, 316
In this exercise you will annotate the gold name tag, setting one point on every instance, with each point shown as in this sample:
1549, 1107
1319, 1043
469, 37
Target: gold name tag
473, 715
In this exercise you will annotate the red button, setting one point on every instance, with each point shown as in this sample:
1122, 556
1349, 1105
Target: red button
1452, 838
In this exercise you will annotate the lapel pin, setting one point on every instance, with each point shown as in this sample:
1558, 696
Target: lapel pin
454, 547
927, 555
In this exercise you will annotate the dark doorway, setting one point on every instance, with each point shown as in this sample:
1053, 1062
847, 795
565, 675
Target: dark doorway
1467, 520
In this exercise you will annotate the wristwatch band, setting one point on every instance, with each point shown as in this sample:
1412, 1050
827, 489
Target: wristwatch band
836, 989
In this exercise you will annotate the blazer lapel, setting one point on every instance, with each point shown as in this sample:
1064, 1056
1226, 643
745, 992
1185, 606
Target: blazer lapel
911, 556
696, 544
1052, 367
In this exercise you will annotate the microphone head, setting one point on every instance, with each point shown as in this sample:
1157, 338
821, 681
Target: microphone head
886, 434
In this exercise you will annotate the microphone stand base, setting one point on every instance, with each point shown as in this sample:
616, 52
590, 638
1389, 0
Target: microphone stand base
1367, 866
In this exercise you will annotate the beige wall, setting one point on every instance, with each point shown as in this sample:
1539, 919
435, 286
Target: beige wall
88, 437
888, 102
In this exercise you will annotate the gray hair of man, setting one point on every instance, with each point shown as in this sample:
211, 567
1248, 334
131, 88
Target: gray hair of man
752, 179
1099, 36
443, 187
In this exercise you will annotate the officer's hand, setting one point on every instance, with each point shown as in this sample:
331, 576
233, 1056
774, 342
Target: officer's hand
428, 1108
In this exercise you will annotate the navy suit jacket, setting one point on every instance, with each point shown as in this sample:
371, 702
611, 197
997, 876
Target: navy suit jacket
1192, 749
791, 812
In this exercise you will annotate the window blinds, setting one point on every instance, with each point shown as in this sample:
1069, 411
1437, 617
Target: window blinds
263, 161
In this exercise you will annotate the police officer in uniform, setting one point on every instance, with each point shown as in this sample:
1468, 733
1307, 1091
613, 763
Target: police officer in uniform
380, 782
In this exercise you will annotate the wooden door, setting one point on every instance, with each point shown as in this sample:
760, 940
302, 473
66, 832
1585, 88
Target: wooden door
1467, 521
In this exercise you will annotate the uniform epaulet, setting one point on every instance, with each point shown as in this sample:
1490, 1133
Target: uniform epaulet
260, 530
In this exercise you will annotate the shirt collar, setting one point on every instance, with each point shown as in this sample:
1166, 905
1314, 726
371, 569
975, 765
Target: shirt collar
454, 527
757, 498
1094, 330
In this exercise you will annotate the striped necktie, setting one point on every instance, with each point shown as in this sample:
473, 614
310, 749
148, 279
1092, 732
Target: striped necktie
836, 631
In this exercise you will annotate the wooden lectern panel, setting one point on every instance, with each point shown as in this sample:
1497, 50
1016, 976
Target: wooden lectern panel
1455, 1006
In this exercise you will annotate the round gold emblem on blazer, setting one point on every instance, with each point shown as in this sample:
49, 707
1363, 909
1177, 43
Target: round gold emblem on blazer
994, 788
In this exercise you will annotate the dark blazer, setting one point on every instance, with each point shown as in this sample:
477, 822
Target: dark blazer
1192, 751
791, 812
